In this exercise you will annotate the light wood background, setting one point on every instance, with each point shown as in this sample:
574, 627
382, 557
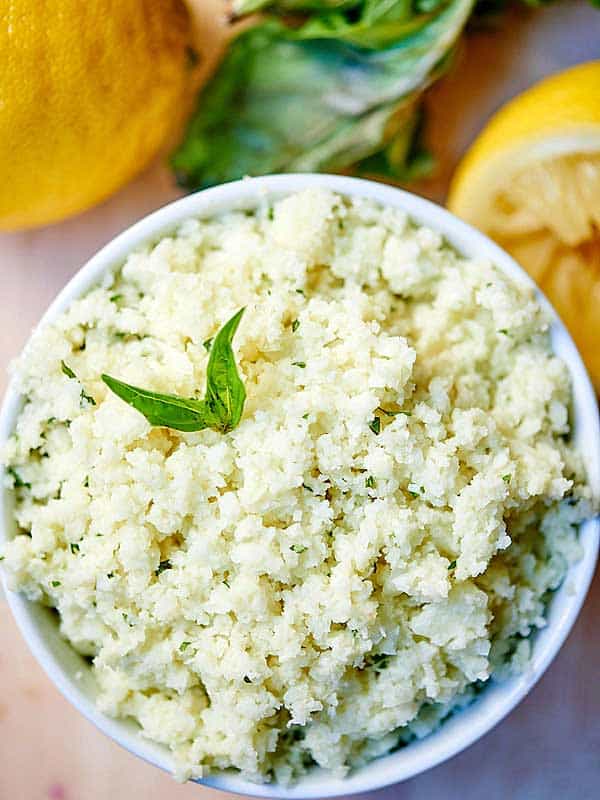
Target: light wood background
549, 747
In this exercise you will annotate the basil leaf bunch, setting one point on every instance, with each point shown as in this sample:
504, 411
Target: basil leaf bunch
222, 407
372, 24
336, 86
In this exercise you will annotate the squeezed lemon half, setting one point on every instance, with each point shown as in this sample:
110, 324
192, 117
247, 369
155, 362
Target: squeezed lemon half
531, 181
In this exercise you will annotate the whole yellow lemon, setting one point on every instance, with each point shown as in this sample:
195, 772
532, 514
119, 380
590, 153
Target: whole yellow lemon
89, 92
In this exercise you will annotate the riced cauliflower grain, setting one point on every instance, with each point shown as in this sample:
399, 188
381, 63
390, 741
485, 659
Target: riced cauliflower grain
376, 538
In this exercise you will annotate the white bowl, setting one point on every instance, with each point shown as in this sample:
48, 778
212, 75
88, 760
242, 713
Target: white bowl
73, 676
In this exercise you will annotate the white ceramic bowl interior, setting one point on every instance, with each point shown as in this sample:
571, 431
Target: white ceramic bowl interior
62, 664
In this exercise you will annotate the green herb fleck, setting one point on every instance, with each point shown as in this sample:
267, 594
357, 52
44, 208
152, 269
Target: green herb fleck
226, 582
74, 547
18, 482
247, 679
166, 564
222, 406
300, 291
110, 574
115, 298
413, 494
307, 487
184, 646
270, 213
507, 478
305, 416
301, 364
375, 425
70, 374
67, 370
295, 325
207, 343
86, 482
452, 565
504, 331
379, 661
370, 482
50, 420
298, 548
307, 759
55, 583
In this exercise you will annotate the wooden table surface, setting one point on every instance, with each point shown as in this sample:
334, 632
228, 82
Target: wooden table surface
549, 747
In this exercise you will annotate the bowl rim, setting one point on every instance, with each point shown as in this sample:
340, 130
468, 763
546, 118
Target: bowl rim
456, 733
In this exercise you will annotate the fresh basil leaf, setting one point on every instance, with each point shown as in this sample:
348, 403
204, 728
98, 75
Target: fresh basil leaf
405, 158
248, 6
222, 407
373, 24
225, 392
165, 410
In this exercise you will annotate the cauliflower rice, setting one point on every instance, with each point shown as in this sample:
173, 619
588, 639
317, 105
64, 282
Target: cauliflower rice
376, 538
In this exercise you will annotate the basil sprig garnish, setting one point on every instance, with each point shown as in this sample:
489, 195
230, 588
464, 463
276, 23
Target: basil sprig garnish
222, 406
